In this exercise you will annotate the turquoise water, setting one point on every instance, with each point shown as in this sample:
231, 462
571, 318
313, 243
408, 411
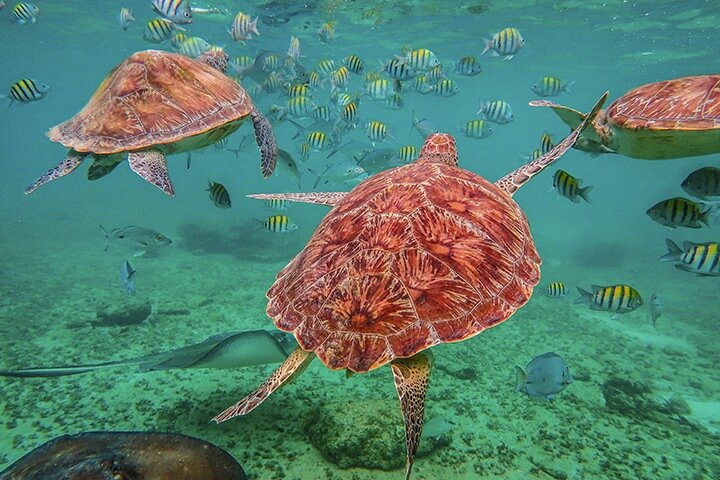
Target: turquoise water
56, 274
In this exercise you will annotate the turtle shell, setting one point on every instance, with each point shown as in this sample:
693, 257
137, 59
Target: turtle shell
415, 256
153, 98
688, 103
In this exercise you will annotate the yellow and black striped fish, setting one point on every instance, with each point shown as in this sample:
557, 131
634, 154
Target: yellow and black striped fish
446, 88
219, 194
555, 290
468, 66
322, 113
613, 298
314, 77
177, 11
569, 187
551, 87
477, 129
300, 107
326, 66
497, 111
241, 64
340, 77
679, 212
408, 153
421, 59
435, 74
399, 69
349, 112
507, 43
421, 84
354, 64
271, 63
298, 90
304, 150
380, 89
277, 204
317, 140
160, 29
371, 76
25, 13
27, 90
377, 131
700, 258
278, 224
546, 143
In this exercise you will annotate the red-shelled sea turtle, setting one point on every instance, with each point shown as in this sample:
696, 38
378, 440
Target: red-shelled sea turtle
669, 119
418, 255
155, 104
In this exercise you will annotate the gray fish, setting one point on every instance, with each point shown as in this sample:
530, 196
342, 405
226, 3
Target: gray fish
377, 160
703, 183
145, 238
127, 277
339, 173
656, 307
423, 126
288, 165
545, 376
437, 427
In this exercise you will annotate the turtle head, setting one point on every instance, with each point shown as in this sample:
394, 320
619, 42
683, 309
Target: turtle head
216, 59
439, 147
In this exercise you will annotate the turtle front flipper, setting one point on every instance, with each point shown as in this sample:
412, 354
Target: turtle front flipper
412, 376
71, 161
265, 141
515, 179
151, 166
590, 140
293, 366
318, 198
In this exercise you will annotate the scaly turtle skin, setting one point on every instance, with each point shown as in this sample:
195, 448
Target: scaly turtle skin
155, 104
421, 254
662, 120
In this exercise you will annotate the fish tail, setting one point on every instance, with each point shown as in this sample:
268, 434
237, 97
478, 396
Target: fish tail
674, 253
107, 237
520, 378
567, 86
585, 296
585, 192
253, 27
488, 45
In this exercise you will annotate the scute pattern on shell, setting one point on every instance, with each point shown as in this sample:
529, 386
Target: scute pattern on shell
688, 103
415, 256
153, 98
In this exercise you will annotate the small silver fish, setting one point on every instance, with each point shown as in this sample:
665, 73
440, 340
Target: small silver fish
288, 165
423, 126
339, 173
545, 376
145, 238
656, 307
127, 277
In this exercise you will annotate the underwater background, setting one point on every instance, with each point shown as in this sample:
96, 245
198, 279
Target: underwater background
645, 401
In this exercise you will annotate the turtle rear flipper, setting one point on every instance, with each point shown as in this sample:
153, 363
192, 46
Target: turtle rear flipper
151, 166
265, 141
71, 161
589, 139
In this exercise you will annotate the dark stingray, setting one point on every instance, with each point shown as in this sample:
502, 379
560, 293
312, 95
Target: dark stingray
226, 350
125, 456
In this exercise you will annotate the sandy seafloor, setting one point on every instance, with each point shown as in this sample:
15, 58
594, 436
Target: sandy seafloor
213, 278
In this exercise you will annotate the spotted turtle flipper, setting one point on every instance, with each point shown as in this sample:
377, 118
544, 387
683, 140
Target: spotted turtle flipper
265, 141
318, 198
151, 166
71, 161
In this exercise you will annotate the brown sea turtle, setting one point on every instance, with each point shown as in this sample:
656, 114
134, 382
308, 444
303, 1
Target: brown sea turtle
662, 120
421, 254
155, 104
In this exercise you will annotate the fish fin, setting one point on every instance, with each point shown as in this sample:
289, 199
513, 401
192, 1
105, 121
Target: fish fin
188, 158
520, 378
107, 237
550, 397
673, 253
585, 296
687, 246
568, 85
584, 193
139, 253
488, 46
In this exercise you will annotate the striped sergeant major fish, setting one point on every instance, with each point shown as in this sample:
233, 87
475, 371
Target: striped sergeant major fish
125, 17
27, 90
476, 129
497, 111
703, 183
278, 224
569, 187
421, 59
551, 87
613, 298
25, 13
505, 43
219, 194
700, 258
159, 29
177, 11
555, 290
468, 66
679, 212
243, 27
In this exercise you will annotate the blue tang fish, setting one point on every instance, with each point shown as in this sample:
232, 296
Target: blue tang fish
545, 376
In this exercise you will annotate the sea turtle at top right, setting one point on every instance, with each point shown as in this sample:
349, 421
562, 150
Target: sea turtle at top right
657, 121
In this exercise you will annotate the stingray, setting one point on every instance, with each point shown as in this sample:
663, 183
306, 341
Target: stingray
225, 350
125, 456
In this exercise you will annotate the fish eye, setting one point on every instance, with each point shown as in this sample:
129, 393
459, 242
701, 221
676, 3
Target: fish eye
158, 238
187, 14
640, 301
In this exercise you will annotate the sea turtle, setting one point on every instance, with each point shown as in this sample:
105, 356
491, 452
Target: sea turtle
154, 104
421, 254
662, 120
